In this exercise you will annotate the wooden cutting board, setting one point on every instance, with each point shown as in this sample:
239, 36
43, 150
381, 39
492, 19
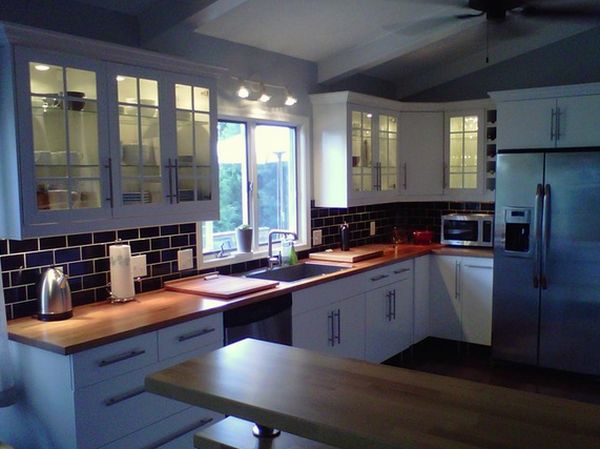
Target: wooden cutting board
220, 286
352, 255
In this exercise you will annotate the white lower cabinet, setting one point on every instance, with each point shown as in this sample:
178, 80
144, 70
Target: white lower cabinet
96, 398
461, 298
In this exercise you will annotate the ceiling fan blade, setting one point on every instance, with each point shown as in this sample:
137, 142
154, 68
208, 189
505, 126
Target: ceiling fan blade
469, 16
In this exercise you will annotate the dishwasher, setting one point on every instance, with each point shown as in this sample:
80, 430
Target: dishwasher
268, 320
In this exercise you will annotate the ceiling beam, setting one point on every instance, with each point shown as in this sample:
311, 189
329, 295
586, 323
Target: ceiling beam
167, 14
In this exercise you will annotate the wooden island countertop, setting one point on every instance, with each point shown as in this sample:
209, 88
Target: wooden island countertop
99, 323
358, 405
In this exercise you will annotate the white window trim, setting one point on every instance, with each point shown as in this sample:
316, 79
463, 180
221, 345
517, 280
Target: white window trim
303, 190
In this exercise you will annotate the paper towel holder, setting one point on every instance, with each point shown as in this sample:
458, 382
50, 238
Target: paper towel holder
112, 298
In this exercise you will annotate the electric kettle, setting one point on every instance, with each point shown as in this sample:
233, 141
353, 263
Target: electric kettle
55, 296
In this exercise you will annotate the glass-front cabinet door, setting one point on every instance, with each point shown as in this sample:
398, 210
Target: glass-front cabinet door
387, 168
63, 138
362, 151
464, 145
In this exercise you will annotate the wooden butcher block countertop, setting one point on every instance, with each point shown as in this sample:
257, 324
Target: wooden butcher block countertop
359, 405
100, 323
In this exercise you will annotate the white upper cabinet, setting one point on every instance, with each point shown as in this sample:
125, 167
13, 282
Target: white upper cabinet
421, 153
90, 143
552, 117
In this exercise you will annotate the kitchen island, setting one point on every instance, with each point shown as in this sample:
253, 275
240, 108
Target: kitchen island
356, 405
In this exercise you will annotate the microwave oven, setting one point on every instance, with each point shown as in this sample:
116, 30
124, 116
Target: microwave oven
467, 229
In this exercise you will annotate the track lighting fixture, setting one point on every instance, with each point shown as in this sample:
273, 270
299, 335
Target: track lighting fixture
264, 97
290, 100
251, 90
243, 91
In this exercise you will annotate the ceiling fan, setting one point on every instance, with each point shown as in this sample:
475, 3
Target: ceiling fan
496, 10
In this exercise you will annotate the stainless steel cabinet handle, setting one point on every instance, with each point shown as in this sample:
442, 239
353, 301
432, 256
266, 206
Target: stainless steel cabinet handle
545, 236
403, 270
161, 442
539, 193
405, 177
456, 279
176, 167
552, 120
394, 304
338, 315
479, 266
459, 277
121, 357
169, 166
557, 132
195, 334
123, 397
380, 277
111, 196
388, 314
330, 338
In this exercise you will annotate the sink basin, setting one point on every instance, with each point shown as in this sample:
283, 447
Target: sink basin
294, 272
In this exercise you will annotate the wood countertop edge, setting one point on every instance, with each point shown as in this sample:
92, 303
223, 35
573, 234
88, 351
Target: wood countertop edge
178, 308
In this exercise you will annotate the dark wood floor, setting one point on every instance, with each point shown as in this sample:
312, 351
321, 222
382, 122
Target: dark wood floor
474, 362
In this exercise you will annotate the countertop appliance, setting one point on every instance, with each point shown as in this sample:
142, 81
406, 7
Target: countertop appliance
467, 229
269, 320
546, 308
54, 294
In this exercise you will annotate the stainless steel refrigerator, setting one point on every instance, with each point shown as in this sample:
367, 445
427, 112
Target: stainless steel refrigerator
546, 308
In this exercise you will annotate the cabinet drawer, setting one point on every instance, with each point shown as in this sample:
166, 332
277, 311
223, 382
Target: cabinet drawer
401, 271
314, 297
389, 274
175, 432
116, 407
104, 362
191, 335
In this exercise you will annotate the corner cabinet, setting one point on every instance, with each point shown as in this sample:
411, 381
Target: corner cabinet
355, 151
549, 117
94, 144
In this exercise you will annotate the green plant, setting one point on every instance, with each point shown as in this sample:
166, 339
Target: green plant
244, 227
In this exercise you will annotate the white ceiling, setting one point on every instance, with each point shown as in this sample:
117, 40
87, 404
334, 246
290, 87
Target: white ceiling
394, 40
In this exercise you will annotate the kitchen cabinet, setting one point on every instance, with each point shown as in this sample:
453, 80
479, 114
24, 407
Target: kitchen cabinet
551, 117
421, 299
355, 157
421, 153
461, 298
96, 398
92, 143
389, 312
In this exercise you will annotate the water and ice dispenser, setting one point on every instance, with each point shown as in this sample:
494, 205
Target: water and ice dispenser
518, 230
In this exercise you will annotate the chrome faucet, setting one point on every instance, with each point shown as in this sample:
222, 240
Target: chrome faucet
275, 260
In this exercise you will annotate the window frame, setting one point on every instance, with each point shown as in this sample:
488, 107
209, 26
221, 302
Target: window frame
302, 181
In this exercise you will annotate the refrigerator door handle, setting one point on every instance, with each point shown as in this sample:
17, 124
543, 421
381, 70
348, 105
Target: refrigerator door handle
537, 220
545, 236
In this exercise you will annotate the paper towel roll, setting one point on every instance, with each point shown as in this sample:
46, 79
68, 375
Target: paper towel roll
121, 272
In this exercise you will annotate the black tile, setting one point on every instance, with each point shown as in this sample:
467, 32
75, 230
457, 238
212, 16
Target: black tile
15, 294
12, 262
190, 272
67, 255
23, 309
53, 242
187, 228
139, 246
105, 237
83, 297
79, 268
170, 277
102, 265
169, 230
161, 269
24, 277
151, 284
238, 268
153, 257
75, 283
179, 240
32, 291
22, 246
40, 259
6, 280
101, 294
93, 251
192, 239
79, 239
94, 280
128, 234
160, 243
149, 232
3, 246
9, 312
168, 255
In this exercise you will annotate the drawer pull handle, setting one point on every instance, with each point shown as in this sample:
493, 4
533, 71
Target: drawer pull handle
403, 270
123, 397
195, 334
121, 357
479, 266
169, 438
380, 277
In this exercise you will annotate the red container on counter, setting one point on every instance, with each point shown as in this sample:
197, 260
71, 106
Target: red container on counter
422, 237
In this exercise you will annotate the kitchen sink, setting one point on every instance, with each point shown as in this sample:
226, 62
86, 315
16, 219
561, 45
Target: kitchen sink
293, 273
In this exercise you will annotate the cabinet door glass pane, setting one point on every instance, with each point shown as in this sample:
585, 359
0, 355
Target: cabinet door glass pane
463, 152
64, 112
362, 151
193, 143
387, 153
139, 134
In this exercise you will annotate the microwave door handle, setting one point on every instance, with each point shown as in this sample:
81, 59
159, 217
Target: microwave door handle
545, 237
537, 222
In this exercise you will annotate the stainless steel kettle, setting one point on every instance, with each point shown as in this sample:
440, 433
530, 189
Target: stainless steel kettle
55, 296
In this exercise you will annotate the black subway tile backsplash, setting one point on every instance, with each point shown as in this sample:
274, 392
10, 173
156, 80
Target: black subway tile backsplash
169, 230
53, 242
128, 234
67, 255
12, 262
39, 259
105, 237
79, 239
93, 251
22, 246
138, 246
149, 232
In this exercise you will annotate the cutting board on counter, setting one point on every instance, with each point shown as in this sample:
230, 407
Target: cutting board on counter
220, 286
350, 256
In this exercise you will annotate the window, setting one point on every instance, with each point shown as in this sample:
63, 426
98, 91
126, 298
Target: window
463, 149
258, 174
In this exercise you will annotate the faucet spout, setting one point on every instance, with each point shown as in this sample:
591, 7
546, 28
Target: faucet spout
276, 260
